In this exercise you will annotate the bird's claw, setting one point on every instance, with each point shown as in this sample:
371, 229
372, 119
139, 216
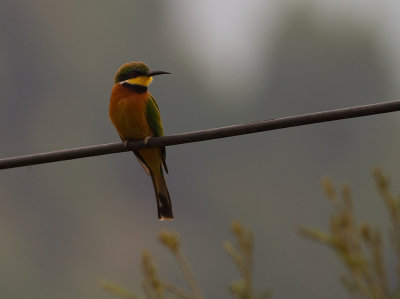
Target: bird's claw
146, 139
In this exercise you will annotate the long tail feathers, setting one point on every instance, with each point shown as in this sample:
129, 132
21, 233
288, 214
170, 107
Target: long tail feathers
164, 204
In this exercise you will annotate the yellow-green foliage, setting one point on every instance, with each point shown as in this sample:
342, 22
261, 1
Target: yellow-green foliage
359, 246
242, 255
117, 290
241, 252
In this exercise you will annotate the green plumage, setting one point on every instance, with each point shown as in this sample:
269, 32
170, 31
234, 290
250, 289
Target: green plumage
154, 121
153, 117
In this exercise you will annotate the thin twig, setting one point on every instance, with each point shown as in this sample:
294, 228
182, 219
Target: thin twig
188, 273
223, 132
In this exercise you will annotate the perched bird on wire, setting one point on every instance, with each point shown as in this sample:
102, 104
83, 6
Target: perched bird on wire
135, 114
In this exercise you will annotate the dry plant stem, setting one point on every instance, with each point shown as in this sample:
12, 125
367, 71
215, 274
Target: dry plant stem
346, 238
363, 271
247, 270
354, 244
379, 263
188, 273
242, 255
233, 253
152, 284
373, 243
174, 289
117, 290
248, 274
393, 207
359, 247
150, 294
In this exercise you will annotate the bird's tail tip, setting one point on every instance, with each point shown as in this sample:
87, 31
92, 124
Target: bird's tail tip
164, 207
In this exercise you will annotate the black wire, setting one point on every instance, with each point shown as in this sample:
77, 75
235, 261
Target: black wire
216, 133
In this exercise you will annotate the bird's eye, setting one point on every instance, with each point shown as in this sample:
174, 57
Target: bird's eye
134, 74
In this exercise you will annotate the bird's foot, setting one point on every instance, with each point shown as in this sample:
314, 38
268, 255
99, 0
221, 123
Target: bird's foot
146, 139
125, 142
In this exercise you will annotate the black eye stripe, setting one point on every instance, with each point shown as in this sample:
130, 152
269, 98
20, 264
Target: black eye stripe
134, 74
130, 75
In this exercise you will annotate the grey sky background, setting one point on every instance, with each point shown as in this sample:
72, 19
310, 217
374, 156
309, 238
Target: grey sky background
66, 226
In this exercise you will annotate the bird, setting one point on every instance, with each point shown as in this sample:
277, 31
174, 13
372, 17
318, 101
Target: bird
135, 114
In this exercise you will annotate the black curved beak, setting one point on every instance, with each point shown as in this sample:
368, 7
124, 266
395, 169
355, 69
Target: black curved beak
155, 73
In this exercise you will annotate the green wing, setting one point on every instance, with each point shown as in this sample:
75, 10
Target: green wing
154, 120
153, 117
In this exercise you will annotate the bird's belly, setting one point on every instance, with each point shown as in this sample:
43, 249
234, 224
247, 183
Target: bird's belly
129, 117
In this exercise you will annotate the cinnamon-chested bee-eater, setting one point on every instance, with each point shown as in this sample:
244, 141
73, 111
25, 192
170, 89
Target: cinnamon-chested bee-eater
135, 114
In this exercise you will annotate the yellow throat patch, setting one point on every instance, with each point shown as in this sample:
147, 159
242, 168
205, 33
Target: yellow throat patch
141, 80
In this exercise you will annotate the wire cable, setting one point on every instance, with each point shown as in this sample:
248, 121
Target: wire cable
209, 134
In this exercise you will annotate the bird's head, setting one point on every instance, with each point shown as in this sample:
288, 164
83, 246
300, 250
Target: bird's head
136, 73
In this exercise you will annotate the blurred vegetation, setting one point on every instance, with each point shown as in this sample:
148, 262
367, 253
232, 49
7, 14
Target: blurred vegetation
359, 246
240, 251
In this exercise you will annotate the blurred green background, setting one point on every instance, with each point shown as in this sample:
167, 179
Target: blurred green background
66, 226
